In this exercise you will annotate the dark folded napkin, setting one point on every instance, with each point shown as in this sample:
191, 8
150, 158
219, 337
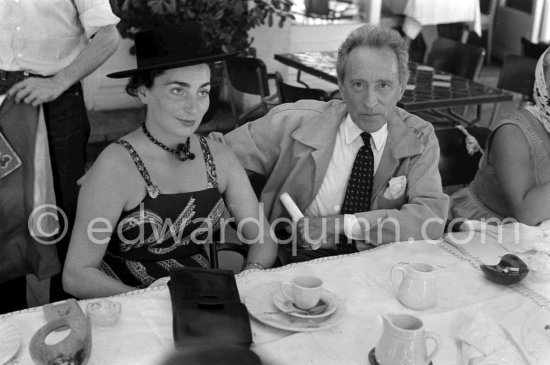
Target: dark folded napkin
207, 309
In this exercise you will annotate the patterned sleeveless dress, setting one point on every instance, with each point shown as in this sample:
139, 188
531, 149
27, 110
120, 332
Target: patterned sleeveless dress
165, 230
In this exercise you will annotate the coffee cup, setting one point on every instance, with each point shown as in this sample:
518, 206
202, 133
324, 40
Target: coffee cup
304, 291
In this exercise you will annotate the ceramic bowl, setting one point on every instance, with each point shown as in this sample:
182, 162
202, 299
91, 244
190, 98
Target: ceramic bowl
510, 270
103, 312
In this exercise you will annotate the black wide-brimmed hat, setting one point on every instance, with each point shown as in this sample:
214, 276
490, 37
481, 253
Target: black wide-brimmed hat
165, 48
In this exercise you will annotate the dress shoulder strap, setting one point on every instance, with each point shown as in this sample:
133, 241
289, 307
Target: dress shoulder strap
212, 176
152, 190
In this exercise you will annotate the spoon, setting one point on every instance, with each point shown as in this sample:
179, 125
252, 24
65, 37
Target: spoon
318, 309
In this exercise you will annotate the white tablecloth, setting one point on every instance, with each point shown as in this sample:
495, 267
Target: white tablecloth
419, 13
144, 333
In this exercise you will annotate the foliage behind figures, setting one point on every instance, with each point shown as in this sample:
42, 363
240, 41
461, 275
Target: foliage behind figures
225, 22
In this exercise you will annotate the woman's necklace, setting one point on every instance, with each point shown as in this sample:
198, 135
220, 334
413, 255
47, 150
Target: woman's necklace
182, 151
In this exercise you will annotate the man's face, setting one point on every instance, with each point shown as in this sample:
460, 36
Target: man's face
371, 86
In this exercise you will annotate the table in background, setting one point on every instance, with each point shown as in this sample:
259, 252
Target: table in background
143, 334
424, 90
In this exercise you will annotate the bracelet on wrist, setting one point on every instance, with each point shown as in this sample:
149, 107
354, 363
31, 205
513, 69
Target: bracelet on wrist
254, 265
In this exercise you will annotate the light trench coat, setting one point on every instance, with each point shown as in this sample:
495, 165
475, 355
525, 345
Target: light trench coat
293, 144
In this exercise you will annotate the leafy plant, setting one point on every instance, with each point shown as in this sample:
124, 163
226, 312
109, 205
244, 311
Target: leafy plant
225, 22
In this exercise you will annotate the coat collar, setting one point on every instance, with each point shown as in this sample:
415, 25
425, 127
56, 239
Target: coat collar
329, 119
402, 141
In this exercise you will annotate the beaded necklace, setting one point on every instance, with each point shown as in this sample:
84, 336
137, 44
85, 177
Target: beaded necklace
182, 151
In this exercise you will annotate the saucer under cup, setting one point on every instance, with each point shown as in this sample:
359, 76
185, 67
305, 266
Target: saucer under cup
285, 305
304, 291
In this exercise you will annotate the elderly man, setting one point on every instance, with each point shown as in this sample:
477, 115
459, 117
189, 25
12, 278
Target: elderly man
46, 48
361, 169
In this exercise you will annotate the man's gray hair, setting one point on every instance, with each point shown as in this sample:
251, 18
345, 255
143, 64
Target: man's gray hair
375, 37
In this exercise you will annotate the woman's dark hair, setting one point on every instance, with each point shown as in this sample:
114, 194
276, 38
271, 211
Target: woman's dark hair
145, 78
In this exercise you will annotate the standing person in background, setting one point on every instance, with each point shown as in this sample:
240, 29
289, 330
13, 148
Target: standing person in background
46, 48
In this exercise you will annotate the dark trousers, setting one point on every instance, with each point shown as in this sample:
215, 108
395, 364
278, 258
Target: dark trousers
285, 255
15, 295
68, 132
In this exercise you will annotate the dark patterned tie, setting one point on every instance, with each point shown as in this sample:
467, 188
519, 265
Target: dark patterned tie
359, 190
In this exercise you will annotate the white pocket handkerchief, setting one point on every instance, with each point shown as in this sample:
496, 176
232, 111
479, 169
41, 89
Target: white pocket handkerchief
396, 187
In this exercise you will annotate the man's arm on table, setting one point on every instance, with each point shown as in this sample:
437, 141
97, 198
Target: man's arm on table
423, 216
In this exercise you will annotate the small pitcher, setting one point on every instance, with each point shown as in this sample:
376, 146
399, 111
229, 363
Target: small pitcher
404, 341
417, 288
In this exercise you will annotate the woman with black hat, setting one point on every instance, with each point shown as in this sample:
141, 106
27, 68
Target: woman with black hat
153, 196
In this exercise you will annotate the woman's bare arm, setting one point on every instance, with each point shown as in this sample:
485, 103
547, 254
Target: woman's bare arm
511, 156
100, 203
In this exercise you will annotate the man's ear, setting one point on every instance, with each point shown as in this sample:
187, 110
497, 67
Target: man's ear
403, 88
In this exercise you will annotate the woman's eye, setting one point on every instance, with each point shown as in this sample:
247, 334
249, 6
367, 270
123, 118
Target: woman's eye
204, 92
177, 91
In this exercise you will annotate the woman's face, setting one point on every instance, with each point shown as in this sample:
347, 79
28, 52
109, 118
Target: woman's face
178, 99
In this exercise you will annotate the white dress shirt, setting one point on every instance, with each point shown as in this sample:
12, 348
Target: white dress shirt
330, 197
45, 36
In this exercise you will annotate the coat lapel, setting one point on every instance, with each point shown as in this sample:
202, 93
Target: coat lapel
402, 142
385, 170
320, 135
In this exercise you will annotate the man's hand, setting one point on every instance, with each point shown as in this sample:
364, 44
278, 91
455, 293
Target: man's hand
35, 90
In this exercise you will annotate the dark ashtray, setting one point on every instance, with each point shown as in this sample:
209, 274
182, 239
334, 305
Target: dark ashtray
510, 270
373, 361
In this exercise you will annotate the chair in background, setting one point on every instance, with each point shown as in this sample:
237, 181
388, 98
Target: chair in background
488, 9
460, 59
289, 93
533, 50
216, 247
456, 167
249, 75
326, 9
317, 9
517, 75
258, 182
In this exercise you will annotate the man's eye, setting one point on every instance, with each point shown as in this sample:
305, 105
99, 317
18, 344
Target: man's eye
385, 86
177, 91
358, 85
204, 92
